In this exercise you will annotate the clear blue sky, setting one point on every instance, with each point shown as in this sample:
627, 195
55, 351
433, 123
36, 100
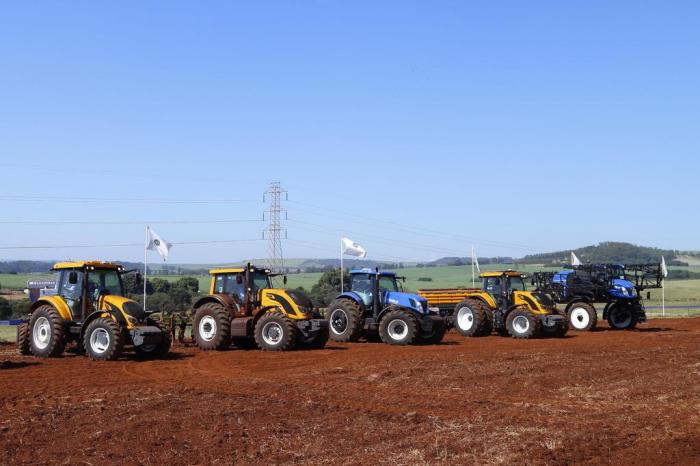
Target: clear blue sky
515, 126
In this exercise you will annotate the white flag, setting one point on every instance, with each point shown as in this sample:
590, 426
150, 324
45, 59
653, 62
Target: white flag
664, 270
574, 260
475, 261
351, 248
156, 243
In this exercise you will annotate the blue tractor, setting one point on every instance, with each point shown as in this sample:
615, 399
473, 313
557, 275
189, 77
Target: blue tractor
618, 286
376, 306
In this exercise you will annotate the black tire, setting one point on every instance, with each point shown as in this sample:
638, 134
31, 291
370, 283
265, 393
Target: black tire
622, 317
103, 340
522, 324
155, 351
582, 317
318, 341
211, 327
344, 320
23, 340
435, 336
47, 335
398, 327
472, 319
558, 331
275, 332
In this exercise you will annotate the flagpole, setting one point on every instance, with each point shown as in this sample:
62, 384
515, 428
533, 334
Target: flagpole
663, 298
473, 266
145, 268
342, 269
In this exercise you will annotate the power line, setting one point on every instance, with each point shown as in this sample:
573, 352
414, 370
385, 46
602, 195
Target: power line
98, 199
275, 228
123, 245
120, 222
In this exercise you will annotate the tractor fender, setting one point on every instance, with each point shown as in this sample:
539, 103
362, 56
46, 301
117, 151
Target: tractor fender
115, 314
399, 308
57, 303
351, 295
579, 299
607, 309
227, 301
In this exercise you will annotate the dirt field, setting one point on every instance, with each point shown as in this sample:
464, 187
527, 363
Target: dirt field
603, 397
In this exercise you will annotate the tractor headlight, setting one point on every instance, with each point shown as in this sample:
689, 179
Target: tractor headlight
132, 321
623, 291
417, 305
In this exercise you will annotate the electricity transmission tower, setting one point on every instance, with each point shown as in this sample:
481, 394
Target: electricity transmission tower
274, 231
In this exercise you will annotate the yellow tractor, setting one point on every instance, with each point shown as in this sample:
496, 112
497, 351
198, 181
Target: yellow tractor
502, 304
242, 307
88, 306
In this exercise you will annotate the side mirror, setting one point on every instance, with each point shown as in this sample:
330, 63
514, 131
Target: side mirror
239, 279
285, 279
73, 278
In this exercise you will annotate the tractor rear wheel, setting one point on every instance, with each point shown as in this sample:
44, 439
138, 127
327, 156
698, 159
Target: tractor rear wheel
435, 336
47, 336
103, 340
344, 320
158, 350
398, 327
522, 324
275, 332
622, 317
23, 339
471, 318
582, 317
211, 327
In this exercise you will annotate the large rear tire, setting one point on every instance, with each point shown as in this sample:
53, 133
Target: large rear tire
23, 340
622, 317
211, 327
471, 318
47, 336
275, 332
103, 340
158, 350
522, 324
582, 317
344, 320
398, 328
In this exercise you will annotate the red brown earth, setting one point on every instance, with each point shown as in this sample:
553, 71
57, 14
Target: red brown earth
603, 397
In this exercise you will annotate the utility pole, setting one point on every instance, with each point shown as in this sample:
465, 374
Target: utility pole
273, 232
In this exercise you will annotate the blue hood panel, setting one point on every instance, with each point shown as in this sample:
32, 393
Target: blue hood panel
406, 300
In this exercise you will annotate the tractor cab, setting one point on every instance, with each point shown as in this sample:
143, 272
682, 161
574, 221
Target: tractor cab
365, 281
84, 286
240, 282
502, 286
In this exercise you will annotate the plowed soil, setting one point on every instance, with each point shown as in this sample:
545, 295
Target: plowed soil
602, 397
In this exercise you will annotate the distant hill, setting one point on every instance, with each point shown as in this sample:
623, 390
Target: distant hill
606, 252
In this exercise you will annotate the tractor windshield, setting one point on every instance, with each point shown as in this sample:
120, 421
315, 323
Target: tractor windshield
388, 283
517, 284
260, 281
104, 282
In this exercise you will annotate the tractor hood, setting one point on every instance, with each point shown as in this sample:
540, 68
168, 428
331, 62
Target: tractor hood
412, 301
623, 289
128, 306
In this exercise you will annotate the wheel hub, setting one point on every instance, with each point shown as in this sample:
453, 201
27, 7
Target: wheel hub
272, 333
99, 340
397, 329
521, 324
207, 328
465, 318
580, 318
339, 321
41, 334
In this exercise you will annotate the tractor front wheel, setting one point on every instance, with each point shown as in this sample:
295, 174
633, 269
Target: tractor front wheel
211, 327
275, 332
46, 332
622, 317
103, 340
522, 324
344, 320
398, 328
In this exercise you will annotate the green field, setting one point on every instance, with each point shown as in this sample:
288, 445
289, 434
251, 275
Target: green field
8, 333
